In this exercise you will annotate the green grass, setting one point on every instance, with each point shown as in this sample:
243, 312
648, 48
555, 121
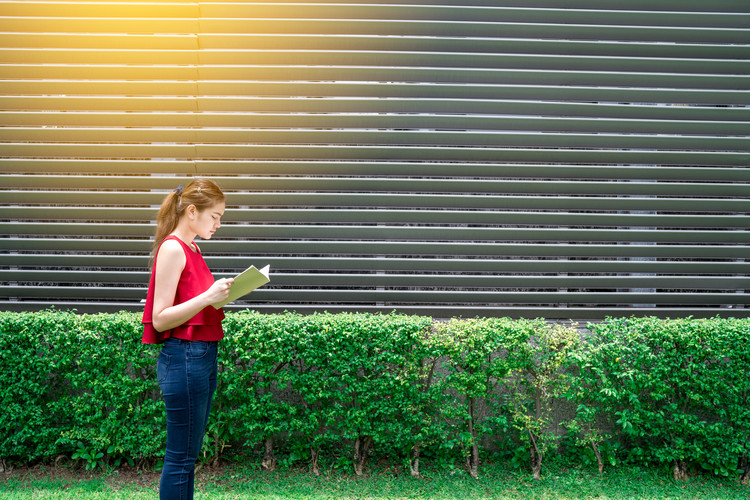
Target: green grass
232, 483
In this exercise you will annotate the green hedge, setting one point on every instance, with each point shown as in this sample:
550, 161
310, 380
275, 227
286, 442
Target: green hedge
676, 391
336, 388
67, 378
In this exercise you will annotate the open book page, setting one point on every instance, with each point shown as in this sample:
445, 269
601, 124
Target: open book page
245, 282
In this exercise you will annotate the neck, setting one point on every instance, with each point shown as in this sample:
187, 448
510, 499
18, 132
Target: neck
184, 233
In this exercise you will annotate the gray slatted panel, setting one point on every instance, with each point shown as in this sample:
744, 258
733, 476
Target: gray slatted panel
521, 158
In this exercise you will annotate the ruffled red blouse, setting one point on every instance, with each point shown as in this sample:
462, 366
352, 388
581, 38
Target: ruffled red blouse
195, 279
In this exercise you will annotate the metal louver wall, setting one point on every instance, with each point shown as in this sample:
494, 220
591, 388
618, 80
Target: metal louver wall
527, 158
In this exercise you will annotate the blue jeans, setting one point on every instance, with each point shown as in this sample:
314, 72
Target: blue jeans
186, 371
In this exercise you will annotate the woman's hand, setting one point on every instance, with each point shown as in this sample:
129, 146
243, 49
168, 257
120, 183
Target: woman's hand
219, 291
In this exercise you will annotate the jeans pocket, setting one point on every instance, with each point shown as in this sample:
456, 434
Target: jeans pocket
198, 349
162, 367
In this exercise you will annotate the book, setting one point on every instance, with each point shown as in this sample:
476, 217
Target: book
245, 282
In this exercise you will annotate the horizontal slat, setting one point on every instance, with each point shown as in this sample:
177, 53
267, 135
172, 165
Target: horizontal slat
468, 60
109, 166
93, 103
382, 233
133, 41
406, 281
549, 30
402, 296
99, 72
71, 86
322, 42
374, 263
374, 137
640, 5
448, 74
469, 106
350, 152
396, 170
401, 11
674, 27
529, 90
459, 297
402, 58
323, 216
131, 24
101, 9
213, 109
466, 44
236, 186
446, 153
232, 127
98, 150
454, 13
389, 73
56, 55
410, 200
390, 248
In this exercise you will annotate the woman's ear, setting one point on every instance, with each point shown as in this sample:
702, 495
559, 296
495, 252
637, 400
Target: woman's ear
191, 210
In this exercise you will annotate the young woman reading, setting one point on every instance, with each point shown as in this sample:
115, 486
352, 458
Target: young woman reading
180, 314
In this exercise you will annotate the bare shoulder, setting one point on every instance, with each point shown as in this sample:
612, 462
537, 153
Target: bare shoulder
170, 254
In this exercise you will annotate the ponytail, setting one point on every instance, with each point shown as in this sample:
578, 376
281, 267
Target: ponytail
202, 193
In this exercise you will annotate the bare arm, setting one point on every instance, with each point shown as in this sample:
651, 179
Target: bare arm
169, 265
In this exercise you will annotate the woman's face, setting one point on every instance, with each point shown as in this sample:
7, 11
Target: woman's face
205, 222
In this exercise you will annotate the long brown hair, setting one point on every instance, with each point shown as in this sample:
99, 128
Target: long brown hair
203, 193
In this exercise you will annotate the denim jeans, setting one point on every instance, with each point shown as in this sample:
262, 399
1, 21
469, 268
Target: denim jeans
186, 371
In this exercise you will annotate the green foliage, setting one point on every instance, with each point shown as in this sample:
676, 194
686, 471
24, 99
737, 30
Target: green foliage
676, 390
254, 362
329, 389
540, 378
67, 379
91, 455
481, 354
367, 371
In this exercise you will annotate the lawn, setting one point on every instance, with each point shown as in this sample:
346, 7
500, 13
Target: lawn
236, 482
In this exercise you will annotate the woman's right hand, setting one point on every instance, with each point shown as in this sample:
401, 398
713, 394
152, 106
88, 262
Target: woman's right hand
219, 291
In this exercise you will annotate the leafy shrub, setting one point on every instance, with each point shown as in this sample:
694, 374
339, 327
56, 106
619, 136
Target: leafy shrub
337, 387
677, 390
541, 378
481, 354
71, 382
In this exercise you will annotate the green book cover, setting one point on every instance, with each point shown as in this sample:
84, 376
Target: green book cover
245, 282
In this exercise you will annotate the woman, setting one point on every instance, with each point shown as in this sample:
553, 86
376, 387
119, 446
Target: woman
179, 313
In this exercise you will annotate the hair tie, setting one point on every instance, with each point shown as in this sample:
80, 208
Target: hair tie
179, 189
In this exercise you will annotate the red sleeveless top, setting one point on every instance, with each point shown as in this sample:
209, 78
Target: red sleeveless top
194, 280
